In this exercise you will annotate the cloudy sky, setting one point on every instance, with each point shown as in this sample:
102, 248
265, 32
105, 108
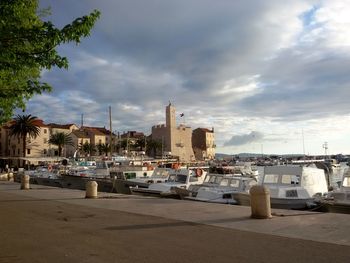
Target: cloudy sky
270, 76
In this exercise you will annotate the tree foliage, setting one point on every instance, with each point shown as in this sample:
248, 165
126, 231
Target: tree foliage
61, 139
88, 148
27, 46
103, 148
153, 147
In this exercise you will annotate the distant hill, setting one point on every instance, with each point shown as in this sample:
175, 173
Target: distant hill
252, 155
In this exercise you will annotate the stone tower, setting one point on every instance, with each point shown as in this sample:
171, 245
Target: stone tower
170, 116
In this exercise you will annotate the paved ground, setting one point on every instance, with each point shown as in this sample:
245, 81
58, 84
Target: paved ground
46, 224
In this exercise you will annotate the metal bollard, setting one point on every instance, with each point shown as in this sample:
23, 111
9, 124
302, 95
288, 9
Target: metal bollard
25, 182
260, 202
91, 189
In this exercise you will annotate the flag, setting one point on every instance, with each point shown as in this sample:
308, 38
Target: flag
182, 114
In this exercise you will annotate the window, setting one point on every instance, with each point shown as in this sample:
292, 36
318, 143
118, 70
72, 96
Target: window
224, 182
290, 179
193, 179
45, 151
346, 182
271, 179
45, 131
28, 151
234, 183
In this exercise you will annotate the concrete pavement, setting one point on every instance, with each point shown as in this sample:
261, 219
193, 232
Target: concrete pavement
154, 229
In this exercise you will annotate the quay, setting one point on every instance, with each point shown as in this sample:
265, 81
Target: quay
48, 224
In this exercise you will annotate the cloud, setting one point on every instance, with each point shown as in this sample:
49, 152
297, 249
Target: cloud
232, 65
252, 137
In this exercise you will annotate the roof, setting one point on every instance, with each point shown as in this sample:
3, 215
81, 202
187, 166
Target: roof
102, 130
204, 130
133, 134
80, 134
60, 126
37, 122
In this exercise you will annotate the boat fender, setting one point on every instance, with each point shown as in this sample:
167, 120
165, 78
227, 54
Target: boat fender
199, 172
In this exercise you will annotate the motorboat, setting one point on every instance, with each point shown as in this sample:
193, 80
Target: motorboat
338, 201
180, 178
218, 188
291, 187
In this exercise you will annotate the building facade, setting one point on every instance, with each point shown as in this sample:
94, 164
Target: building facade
61, 128
11, 147
203, 143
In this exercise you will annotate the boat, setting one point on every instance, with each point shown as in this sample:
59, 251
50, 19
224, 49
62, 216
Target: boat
218, 188
338, 201
291, 187
49, 175
180, 178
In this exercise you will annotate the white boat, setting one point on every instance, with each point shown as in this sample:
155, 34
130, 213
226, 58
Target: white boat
338, 200
218, 188
181, 178
291, 187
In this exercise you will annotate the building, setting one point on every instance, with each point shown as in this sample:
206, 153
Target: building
203, 143
11, 147
176, 140
79, 138
61, 128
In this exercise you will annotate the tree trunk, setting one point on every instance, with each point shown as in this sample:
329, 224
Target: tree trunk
24, 140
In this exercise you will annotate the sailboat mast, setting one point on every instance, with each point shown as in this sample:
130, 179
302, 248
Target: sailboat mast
110, 129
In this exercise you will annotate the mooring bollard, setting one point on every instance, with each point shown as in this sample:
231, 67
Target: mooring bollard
260, 202
25, 182
91, 189
10, 177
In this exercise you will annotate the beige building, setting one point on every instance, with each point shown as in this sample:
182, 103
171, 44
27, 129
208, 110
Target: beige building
11, 147
79, 138
203, 143
176, 140
62, 128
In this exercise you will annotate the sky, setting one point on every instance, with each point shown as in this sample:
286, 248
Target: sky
270, 76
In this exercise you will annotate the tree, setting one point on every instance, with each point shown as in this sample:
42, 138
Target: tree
103, 148
23, 126
140, 143
88, 148
153, 146
27, 46
61, 139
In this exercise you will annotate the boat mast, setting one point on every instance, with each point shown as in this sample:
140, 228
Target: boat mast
110, 129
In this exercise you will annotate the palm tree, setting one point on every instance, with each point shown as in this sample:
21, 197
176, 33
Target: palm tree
88, 148
23, 126
103, 148
61, 139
